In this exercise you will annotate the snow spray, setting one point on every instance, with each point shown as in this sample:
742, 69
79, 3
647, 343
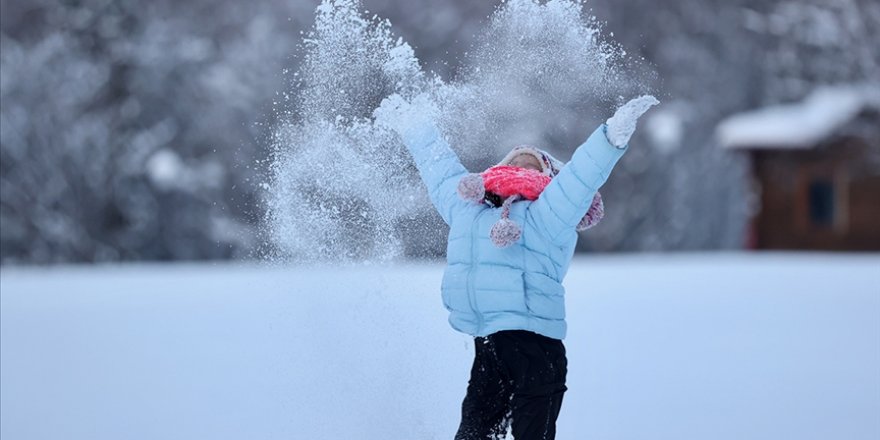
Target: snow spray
344, 189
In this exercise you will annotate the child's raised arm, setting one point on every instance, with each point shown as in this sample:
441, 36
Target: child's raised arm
438, 165
567, 198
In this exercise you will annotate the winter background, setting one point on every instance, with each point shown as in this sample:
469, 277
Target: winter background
203, 235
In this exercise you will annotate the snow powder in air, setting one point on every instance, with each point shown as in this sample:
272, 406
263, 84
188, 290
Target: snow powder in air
344, 189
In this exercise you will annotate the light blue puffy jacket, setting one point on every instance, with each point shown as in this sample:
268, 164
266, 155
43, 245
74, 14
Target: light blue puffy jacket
485, 288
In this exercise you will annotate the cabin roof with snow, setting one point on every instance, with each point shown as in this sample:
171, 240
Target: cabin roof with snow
799, 125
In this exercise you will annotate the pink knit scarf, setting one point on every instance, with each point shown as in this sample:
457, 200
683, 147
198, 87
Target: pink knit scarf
511, 184
506, 181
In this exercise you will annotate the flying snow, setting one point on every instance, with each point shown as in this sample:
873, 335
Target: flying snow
344, 189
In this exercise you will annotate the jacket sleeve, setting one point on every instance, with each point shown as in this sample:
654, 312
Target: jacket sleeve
567, 198
438, 166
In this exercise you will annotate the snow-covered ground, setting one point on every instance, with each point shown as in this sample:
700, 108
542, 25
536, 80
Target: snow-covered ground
704, 347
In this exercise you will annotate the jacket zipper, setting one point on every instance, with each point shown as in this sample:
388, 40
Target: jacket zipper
470, 280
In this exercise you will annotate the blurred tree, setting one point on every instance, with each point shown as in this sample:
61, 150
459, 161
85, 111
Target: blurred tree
132, 130
716, 58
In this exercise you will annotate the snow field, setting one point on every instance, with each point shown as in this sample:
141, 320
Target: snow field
707, 346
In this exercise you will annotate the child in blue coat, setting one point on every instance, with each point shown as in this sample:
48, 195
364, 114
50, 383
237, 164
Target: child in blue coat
507, 256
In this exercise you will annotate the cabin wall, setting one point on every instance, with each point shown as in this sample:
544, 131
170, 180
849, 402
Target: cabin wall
825, 198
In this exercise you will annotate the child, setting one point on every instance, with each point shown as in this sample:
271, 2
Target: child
512, 235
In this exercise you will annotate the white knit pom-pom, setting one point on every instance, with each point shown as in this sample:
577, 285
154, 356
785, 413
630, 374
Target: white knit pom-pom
593, 215
505, 232
471, 188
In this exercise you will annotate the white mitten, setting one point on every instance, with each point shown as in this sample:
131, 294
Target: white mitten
406, 118
622, 125
391, 112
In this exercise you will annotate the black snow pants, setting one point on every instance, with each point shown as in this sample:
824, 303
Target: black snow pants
517, 380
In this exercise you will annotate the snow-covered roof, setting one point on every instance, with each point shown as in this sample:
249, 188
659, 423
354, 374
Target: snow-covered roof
798, 125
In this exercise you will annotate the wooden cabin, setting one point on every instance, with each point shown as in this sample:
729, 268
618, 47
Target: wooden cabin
815, 170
